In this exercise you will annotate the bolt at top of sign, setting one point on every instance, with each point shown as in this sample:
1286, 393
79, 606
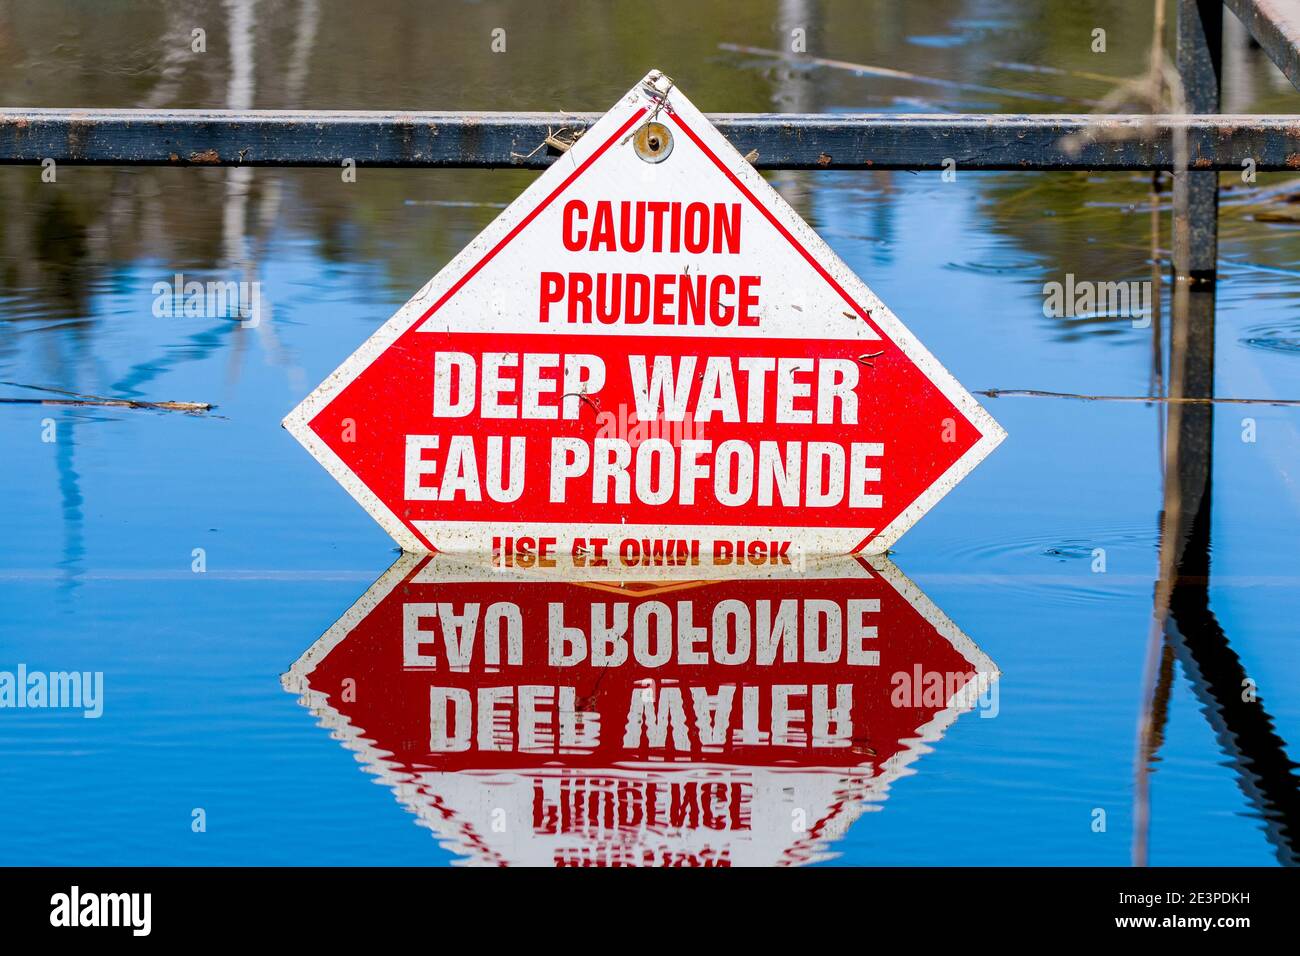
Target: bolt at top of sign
648, 346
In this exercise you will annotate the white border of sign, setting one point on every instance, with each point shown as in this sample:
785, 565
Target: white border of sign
656, 95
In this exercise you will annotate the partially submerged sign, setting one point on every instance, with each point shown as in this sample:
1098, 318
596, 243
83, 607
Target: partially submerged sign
637, 713
648, 350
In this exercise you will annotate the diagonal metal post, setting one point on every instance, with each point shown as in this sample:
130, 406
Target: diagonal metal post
1275, 26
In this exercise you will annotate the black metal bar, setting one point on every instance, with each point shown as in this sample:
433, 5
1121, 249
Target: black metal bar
1275, 25
503, 140
1246, 731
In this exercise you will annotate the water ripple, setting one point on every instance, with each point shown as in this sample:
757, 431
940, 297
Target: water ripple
1274, 337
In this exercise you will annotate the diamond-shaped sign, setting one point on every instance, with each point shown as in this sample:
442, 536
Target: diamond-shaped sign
648, 351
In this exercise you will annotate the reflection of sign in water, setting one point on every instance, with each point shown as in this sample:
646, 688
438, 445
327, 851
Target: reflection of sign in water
651, 280
691, 715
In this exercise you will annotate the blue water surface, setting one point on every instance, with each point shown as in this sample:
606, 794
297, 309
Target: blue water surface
100, 526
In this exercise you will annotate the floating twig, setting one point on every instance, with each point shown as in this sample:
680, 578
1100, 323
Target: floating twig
1055, 71
84, 399
881, 71
1145, 399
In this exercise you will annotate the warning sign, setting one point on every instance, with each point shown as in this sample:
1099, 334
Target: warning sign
648, 350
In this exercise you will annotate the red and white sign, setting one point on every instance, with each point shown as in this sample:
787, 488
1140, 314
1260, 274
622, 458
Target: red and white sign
649, 345
571, 713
